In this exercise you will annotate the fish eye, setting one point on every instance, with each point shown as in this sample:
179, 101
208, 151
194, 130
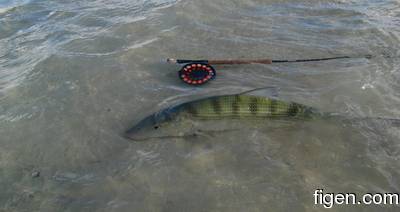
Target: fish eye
156, 127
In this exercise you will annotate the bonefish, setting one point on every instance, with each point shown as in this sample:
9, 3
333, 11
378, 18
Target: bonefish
183, 119
180, 120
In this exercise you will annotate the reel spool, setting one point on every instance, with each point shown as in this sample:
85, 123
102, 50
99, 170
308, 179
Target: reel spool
196, 73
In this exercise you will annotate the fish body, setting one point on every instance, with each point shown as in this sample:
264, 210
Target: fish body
244, 107
182, 119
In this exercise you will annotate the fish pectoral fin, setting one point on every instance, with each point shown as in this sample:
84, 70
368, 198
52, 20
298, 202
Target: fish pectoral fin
210, 133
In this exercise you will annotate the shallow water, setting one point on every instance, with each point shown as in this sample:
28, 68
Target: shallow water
74, 75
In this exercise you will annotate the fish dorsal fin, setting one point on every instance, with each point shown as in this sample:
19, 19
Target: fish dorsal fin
268, 91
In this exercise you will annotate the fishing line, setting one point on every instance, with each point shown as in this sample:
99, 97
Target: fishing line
198, 72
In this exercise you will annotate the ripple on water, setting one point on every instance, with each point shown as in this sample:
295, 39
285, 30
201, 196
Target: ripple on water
76, 74
6, 5
31, 31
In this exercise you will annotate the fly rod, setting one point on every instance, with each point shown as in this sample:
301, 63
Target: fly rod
198, 72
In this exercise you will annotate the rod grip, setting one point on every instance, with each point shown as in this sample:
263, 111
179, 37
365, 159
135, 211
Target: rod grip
233, 62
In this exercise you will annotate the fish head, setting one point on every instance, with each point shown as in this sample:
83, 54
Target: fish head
158, 125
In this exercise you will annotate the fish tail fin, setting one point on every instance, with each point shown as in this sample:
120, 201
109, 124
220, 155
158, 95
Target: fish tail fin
389, 122
393, 122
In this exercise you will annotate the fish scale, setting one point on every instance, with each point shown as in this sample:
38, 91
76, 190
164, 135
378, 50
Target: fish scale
244, 106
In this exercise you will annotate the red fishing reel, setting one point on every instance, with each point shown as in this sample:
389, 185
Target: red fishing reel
196, 73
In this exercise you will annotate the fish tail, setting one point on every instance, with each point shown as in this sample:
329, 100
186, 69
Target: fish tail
392, 122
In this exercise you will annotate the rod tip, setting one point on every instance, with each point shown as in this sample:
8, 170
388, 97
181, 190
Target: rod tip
171, 60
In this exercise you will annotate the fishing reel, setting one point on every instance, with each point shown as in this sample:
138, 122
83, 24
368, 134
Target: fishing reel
197, 73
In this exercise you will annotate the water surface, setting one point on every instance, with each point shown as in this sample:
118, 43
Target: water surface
74, 75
